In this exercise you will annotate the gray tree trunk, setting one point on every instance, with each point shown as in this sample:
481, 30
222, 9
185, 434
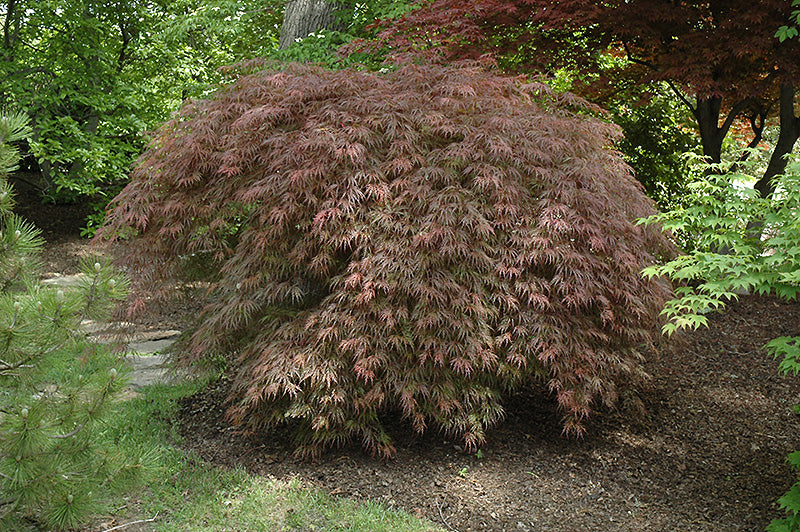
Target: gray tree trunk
303, 17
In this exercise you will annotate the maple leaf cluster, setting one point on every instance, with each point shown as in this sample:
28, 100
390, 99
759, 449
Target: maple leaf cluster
716, 48
721, 58
425, 240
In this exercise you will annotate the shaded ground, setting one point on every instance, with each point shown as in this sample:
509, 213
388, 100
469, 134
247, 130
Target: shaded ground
708, 454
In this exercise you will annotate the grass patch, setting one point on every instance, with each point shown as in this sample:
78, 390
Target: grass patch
188, 494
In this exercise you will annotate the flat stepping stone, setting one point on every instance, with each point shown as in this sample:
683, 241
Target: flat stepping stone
145, 348
151, 346
148, 370
99, 330
145, 352
64, 281
144, 342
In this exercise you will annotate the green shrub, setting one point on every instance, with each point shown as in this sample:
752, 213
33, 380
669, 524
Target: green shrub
744, 243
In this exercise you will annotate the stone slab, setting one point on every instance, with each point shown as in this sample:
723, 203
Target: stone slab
148, 370
64, 281
151, 346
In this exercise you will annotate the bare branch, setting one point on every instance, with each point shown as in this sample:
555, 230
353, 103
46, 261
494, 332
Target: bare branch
635, 60
69, 434
682, 97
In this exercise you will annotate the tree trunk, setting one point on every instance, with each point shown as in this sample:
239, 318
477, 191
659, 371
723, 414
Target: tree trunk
90, 126
711, 135
787, 137
303, 17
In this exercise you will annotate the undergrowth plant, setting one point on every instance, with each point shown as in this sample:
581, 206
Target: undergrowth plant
56, 388
744, 244
425, 240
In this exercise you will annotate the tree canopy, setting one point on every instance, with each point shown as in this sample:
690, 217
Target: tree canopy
721, 58
94, 75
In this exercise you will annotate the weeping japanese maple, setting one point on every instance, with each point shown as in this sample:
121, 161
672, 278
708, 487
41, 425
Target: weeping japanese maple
425, 240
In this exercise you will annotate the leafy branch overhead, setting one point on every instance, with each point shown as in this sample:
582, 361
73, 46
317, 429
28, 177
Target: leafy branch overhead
790, 32
720, 59
425, 240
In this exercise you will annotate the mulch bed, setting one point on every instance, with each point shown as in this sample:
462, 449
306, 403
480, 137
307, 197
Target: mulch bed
708, 452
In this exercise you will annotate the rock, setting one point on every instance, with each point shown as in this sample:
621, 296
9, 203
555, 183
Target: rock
64, 281
152, 369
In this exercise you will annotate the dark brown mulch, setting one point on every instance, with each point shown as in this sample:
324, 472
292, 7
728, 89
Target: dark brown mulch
709, 454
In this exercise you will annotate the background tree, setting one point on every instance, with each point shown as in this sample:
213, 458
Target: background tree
302, 17
315, 31
95, 75
719, 58
71, 67
657, 135
424, 241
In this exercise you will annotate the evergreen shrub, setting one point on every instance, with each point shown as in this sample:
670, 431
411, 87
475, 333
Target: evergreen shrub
56, 387
425, 240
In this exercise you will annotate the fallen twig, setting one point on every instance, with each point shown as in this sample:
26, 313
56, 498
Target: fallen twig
441, 515
123, 525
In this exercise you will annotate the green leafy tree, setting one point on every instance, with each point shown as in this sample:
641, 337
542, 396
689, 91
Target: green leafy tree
717, 216
94, 75
790, 31
56, 387
656, 135
75, 68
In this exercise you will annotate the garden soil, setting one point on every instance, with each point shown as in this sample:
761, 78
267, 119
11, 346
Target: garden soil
702, 447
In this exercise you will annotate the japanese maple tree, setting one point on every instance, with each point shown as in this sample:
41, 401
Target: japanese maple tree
720, 57
425, 240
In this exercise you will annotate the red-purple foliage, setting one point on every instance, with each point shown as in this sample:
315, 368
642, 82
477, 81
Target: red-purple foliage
424, 240
721, 57
724, 49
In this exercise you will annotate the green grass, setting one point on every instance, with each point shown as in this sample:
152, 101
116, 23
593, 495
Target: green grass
188, 494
